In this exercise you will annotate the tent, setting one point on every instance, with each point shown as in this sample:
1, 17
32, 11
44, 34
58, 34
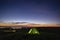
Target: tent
33, 31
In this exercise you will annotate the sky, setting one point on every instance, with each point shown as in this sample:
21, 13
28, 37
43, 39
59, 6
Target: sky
34, 11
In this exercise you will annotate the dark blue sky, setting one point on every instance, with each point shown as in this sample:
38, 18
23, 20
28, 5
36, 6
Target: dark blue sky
36, 11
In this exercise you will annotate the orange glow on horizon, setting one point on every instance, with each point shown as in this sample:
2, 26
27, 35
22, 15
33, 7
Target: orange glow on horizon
31, 25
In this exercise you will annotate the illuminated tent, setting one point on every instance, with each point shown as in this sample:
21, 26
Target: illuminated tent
33, 31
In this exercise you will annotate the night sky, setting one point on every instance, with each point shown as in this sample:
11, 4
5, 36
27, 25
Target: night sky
35, 11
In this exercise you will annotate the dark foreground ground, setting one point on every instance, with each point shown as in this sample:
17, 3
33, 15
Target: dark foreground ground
21, 34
